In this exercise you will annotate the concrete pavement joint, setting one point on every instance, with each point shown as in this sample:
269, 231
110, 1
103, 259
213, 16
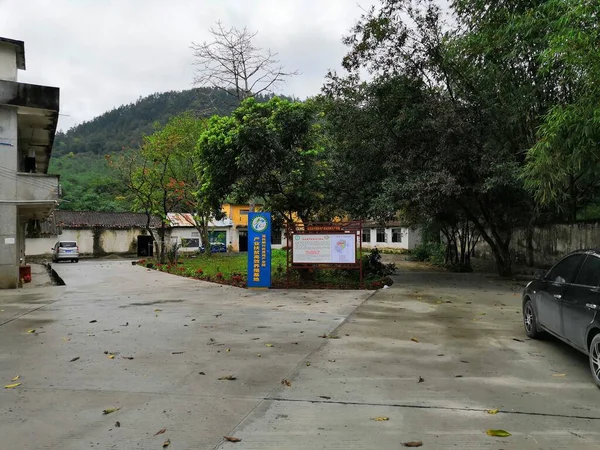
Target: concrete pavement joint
295, 369
441, 408
27, 312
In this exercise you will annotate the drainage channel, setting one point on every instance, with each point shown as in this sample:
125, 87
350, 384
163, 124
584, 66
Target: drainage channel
56, 279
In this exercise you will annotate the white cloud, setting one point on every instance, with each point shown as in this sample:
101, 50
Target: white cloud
106, 53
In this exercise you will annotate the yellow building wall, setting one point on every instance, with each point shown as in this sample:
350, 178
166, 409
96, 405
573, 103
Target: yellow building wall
234, 212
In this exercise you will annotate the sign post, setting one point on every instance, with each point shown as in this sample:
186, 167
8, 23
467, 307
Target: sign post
259, 250
325, 245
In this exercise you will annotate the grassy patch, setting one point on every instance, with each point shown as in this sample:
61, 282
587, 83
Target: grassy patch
231, 268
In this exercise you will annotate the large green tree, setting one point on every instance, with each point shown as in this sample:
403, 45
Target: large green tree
271, 151
160, 177
454, 105
563, 167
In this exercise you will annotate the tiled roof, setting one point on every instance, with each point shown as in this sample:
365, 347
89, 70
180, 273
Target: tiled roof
93, 219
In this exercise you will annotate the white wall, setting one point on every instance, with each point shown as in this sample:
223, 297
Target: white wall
192, 233
410, 239
8, 62
111, 241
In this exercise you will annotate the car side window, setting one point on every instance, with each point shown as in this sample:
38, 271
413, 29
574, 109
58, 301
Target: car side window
589, 274
565, 270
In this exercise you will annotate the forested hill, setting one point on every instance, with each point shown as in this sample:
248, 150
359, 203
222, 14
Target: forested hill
78, 156
124, 126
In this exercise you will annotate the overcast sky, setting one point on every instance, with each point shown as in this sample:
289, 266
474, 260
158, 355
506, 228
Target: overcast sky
104, 53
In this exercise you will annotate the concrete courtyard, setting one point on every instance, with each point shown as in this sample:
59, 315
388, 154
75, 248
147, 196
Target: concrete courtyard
432, 354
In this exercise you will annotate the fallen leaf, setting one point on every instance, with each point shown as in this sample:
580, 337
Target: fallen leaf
16, 378
157, 310
118, 424
559, 375
177, 353
268, 345
492, 411
93, 321
498, 433
307, 364
228, 378
66, 339
286, 382
166, 443
128, 357
464, 361
255, 339
161, 431
74, 359
232, 439
31, 331
11, 386
421, 380
259, 355
201, 373
325, 397
228, 350
439, 302
110, 410
380, 419
331, 360
414, 339
458, 376
331, 336
413, 444
111, 356
518, 340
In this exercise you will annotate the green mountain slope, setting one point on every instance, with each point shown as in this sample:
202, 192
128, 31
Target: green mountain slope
79, 154
123, 127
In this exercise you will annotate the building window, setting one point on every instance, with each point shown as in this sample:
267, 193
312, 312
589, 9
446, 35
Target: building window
366, 235
276, 237
381, 236
397, 235
190, 243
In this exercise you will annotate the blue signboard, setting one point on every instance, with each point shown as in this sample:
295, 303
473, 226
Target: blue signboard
259, 250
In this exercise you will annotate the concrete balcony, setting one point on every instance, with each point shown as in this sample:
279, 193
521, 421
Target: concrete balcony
37, 194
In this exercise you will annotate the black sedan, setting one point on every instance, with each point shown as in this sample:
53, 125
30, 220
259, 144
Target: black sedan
564, 302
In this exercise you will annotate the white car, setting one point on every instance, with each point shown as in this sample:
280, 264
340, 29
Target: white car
65, 251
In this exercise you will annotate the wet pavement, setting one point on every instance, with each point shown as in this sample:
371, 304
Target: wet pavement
435, 354
153, 345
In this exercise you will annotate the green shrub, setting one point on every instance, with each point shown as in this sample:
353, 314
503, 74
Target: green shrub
432, 252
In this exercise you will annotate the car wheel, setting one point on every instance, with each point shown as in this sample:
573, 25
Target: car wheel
76, 260
595, 359
530, 321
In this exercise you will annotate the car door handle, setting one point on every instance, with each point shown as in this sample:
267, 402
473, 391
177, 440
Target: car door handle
591, 306
558, 296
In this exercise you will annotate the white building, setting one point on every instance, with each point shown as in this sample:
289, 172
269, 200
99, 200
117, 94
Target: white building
28, 119
393, 236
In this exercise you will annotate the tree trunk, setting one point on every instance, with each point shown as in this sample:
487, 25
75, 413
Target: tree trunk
529, 246
206, 241
503, 261
162, 244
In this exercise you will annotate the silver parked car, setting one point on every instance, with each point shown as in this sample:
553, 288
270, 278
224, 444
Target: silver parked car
65, 251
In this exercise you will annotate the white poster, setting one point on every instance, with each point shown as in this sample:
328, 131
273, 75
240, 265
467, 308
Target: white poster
324, 249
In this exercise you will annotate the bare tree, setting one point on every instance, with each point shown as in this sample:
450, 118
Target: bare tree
233, 64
